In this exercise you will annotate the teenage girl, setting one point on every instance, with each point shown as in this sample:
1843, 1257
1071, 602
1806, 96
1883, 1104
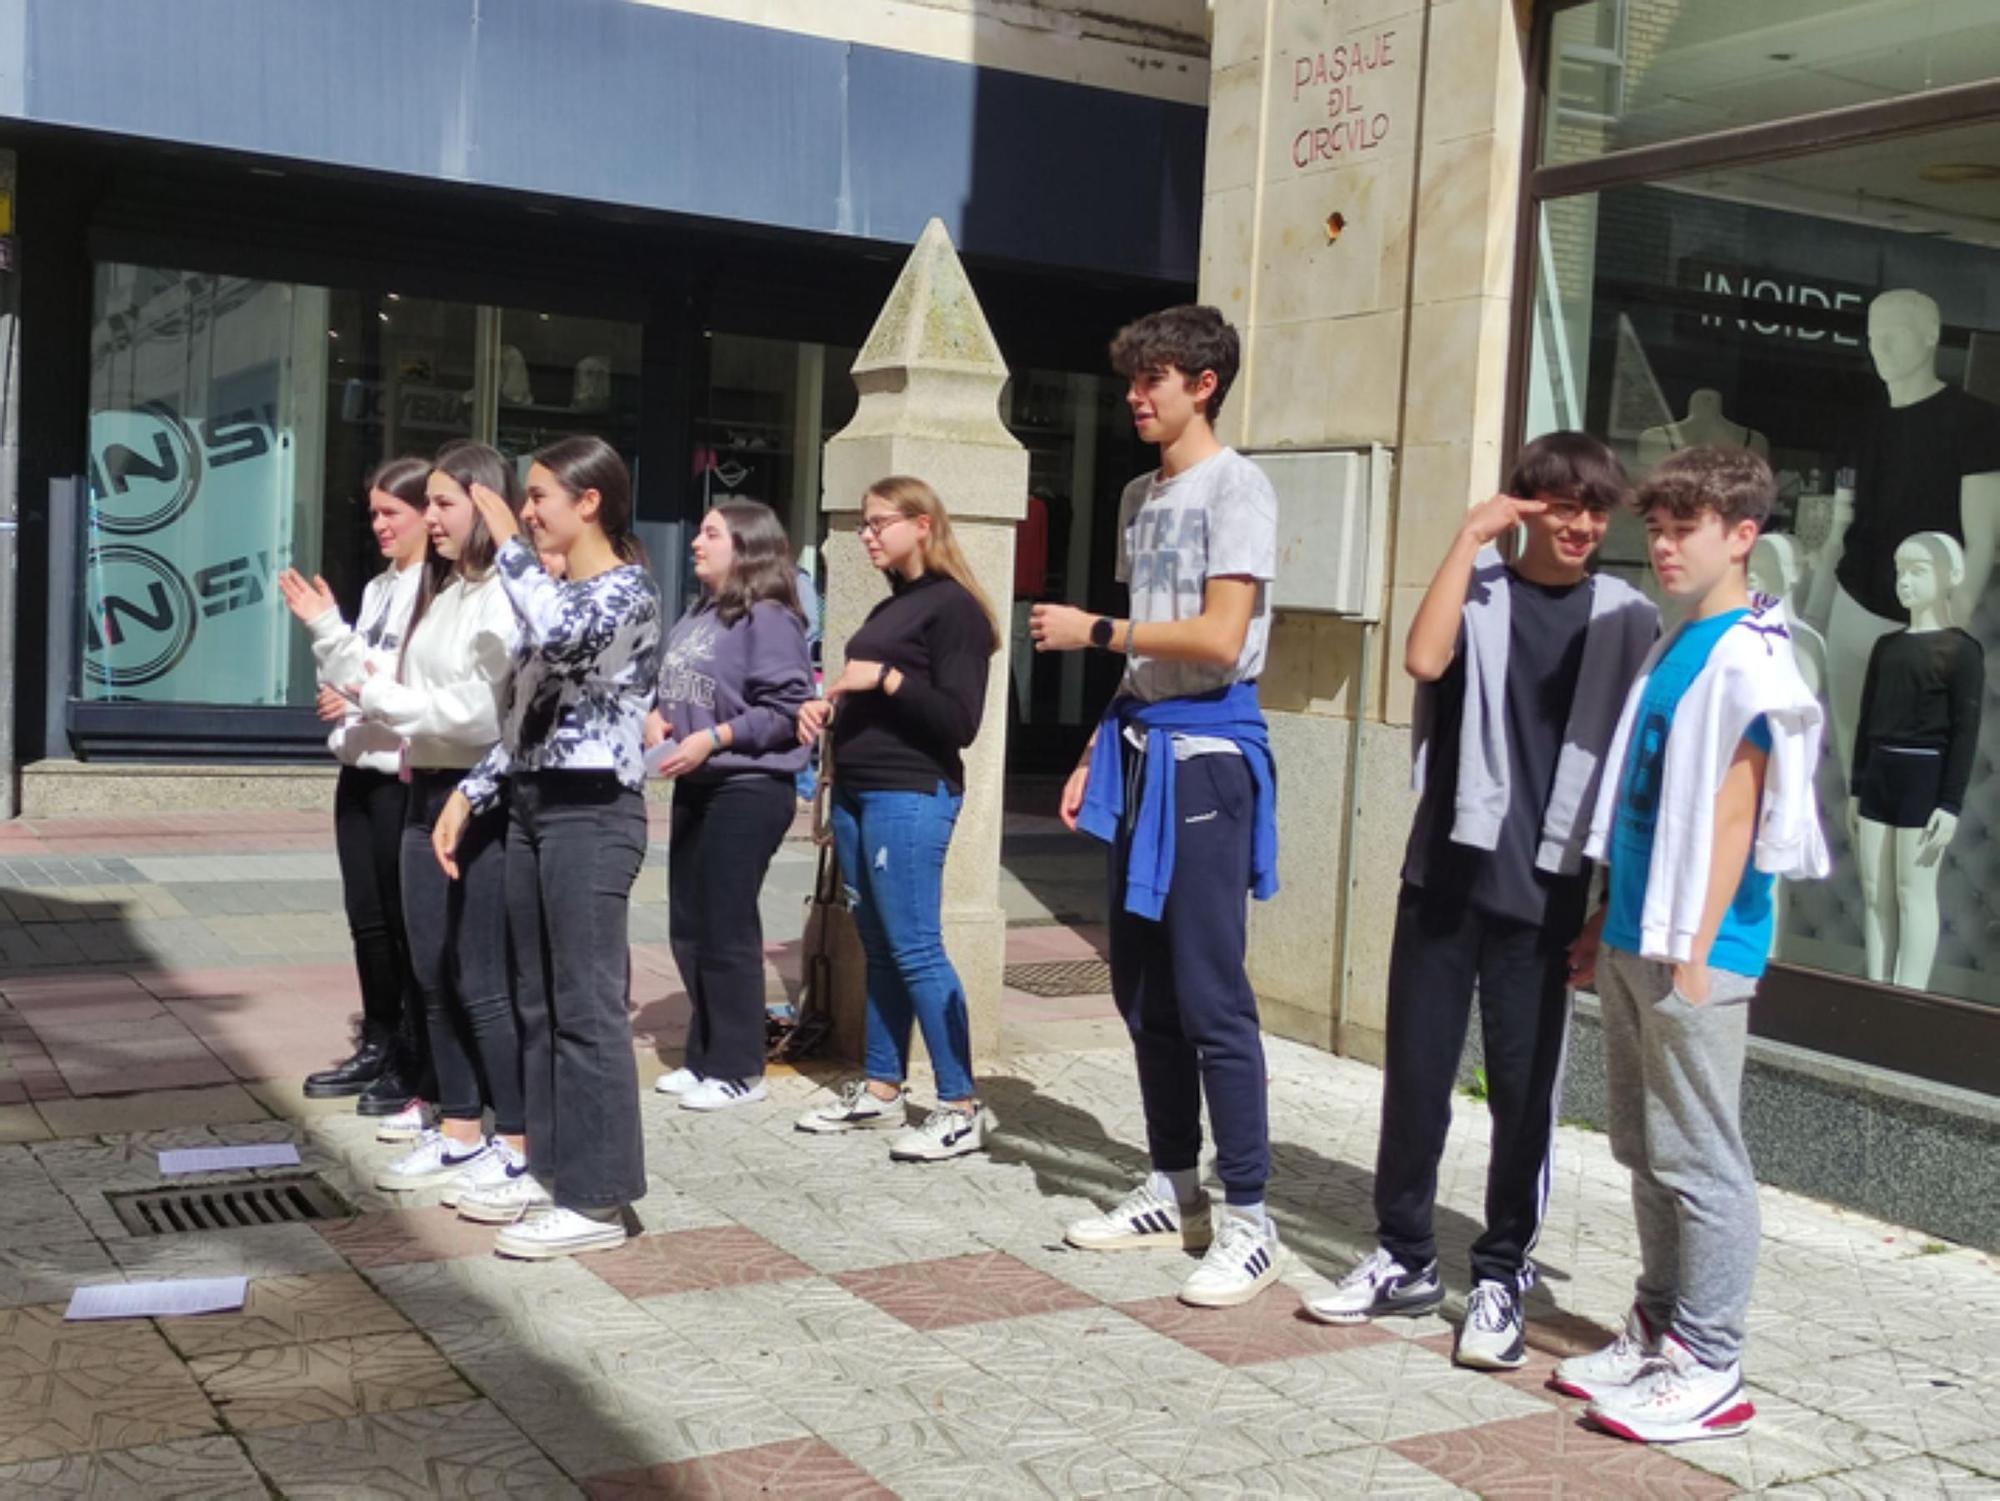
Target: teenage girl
569, 769
732, 680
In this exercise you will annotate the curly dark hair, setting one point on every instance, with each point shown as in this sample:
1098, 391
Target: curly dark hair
1190, 338
1732, 482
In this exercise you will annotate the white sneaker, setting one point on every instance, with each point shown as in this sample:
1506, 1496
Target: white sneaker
1617, 1365
554, 1231
504, 1203
680, 1081
498, 1166
1380, 1287
1144, 1218
944, 1133
1674, 1399
406, 1124
720, 1094
433, 1162
1491, 1338
856, 1108
1241, 1263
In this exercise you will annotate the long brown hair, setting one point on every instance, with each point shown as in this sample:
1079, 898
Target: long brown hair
586, 462
402, 477
466, 464
761, 565
941, 552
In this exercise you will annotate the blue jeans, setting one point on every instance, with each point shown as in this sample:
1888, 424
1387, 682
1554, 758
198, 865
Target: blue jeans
891, 847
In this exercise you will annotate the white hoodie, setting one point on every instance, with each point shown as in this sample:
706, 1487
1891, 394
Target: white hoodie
454, 677
345, 653
1750, 671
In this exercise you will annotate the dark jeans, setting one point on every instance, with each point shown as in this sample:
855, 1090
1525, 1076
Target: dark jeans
368, 812
1181, 986
458, 948
1443, 946
575, 842
724, 834
892, 847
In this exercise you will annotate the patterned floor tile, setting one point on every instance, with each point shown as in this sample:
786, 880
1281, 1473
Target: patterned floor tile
289, 1386
962, 1290
109, 1404
289, 1311
1120, 1278
1899, 1395
1551, 1454
655, 1266
460, 1452
1083, 1348
1919, 1475
480, 1293
1790, 1443
265, 1251
768, 1316
1270, 1327
834, 1387
397, 1236
1003, 1448
50, 1273
35, 1339
593, 1425
194, 1469
1339, 1476
803, 1467
1396, 1390
617, 1338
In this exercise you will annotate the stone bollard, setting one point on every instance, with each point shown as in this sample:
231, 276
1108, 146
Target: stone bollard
930, 378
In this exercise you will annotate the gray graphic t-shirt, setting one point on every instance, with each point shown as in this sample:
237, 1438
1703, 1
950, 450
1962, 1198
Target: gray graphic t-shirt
1216, 520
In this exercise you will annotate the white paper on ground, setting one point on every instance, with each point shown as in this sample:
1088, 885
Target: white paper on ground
144, 1300
226, 1159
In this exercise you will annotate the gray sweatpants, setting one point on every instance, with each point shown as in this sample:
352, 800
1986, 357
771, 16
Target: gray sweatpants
1673, 1075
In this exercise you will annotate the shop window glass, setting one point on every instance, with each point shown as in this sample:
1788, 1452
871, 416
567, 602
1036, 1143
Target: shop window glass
232, 424
1839, 313
1628, 73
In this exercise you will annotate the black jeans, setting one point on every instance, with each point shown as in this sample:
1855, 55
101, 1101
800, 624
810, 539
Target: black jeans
458, 947
1443, 946
575, 842
1181, 985
368, 812
724, 835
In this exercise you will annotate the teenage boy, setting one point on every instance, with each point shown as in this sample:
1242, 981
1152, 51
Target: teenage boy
1713, 800
1178, 780
1521, 670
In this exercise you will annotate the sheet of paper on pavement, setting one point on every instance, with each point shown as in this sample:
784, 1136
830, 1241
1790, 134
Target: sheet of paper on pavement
228, 1159
144, 1300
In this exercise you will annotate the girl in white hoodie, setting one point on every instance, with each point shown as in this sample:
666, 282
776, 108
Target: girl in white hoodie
445, 700
369, 800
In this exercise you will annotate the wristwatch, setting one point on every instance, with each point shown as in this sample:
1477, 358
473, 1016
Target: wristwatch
1100, 632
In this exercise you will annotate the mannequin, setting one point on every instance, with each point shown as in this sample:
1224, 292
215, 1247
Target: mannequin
1774, 570
1704, 426
1919, 728
1930, 463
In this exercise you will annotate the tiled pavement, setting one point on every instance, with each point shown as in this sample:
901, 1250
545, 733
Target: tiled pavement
803, 1317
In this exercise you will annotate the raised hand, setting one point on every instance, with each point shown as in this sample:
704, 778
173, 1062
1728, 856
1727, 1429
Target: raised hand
307, 601
501, 523
1497, 515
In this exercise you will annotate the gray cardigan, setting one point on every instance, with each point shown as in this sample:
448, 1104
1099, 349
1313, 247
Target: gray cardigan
1623, 626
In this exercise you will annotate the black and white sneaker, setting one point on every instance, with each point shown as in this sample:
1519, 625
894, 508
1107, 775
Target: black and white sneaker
856, 1108
943, 1133
1141, 1219
720, 1094
1241, 1262
1491, 1338
1381, 1287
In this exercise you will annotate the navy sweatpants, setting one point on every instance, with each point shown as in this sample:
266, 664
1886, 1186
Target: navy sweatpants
1181, 986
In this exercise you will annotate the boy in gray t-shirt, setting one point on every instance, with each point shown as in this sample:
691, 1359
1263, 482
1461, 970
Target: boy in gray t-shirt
1179, 780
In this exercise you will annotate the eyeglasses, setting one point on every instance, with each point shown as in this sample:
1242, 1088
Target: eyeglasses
881, 524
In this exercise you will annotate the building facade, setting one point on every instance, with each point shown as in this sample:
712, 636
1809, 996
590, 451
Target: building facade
257, 246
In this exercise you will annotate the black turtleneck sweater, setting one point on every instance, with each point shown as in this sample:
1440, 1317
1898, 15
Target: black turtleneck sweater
934, 632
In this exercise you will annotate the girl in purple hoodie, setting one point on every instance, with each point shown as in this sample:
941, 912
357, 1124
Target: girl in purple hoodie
732, 679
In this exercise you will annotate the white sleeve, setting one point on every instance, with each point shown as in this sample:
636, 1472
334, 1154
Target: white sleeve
467, 710
338, 650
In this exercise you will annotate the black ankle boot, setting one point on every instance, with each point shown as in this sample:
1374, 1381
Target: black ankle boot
351, 1077
391, 1091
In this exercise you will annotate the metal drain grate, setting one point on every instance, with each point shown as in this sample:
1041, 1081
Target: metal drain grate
1062, 977
228, 1206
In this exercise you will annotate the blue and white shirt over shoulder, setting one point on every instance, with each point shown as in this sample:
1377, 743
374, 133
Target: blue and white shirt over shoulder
583, 674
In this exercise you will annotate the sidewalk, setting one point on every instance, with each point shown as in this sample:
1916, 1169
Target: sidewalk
802, 1317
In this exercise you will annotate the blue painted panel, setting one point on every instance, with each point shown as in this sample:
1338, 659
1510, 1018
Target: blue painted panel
610, 101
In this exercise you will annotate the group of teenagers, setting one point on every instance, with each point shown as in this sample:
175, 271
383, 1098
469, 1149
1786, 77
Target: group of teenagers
1602, 802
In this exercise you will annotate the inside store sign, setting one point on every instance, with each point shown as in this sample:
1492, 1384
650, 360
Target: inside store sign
1338, 82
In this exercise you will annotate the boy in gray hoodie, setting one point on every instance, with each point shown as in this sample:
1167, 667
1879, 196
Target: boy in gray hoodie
1521, 670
